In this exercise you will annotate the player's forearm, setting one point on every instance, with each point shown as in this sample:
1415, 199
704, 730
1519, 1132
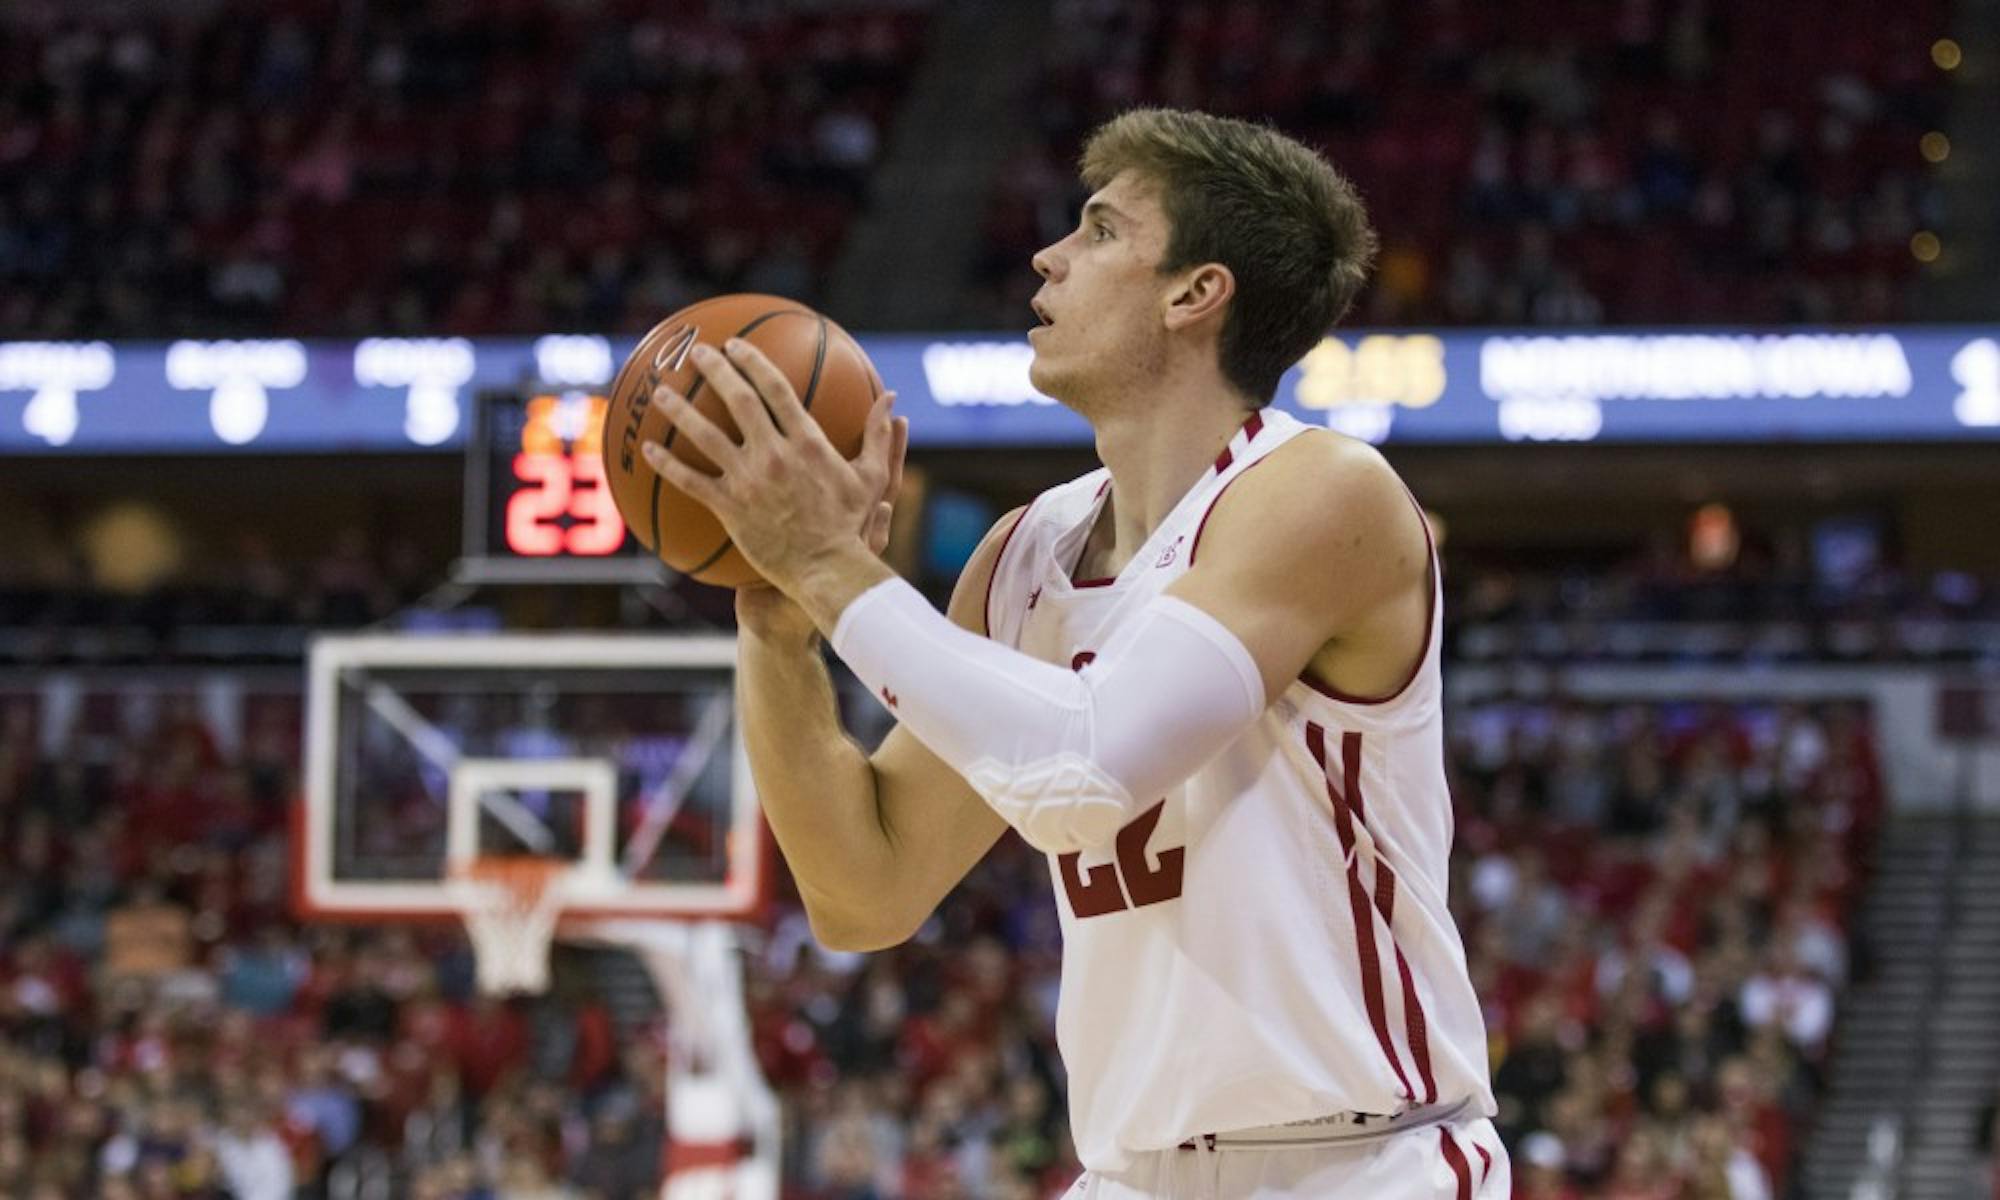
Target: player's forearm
815, 785
1065, 758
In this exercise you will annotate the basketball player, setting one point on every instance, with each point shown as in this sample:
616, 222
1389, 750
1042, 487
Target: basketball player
1204, 680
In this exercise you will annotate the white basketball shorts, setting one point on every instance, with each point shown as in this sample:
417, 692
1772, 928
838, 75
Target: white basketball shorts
1454, 1161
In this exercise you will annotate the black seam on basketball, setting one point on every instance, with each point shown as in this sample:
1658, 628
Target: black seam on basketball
819, 357
667, 442
694, 572
874, 392
819, 361
654, 545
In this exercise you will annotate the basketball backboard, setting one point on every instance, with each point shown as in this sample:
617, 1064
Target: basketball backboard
617, 753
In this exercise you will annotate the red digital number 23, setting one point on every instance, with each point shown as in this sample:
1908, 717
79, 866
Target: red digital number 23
534, 513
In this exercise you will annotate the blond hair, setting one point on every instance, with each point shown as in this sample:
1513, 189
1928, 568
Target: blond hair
1290, 228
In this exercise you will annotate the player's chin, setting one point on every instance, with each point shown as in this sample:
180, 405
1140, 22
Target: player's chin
1042, 377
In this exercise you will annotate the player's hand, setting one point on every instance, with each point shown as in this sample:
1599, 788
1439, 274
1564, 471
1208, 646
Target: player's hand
784, 494
764, 611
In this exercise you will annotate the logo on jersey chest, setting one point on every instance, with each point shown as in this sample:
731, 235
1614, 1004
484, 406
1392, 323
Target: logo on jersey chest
1172, 552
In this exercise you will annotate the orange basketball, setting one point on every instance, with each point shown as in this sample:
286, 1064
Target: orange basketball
833, 378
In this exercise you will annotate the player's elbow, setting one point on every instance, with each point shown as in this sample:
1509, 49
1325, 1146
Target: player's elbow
860, 940
1059, 804
858, 931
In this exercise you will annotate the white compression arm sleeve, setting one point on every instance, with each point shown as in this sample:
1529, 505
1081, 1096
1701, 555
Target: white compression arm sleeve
1067, 757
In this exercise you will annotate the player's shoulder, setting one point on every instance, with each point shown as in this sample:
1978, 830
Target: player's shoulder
971, 596
1312, 494
1315, 473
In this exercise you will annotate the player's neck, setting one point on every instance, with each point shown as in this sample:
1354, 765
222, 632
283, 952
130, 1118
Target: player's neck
1155, 455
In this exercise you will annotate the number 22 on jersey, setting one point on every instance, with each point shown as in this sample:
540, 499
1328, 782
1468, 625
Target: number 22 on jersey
1097, 891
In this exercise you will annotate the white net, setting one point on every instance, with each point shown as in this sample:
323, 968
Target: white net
510, 905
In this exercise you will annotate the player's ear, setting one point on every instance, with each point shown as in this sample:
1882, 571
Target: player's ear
1199, 294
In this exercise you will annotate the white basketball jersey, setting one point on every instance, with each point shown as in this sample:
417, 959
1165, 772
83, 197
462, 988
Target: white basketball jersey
1270, 942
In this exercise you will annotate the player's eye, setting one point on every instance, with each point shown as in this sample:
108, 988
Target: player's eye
1100, 232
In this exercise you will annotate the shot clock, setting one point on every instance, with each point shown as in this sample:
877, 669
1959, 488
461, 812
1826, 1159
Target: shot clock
536, 505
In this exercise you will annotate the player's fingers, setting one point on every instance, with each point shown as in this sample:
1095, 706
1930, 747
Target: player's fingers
877, 438
707, 489
690, 423
781, 402
899, 445
752, 416
879, 522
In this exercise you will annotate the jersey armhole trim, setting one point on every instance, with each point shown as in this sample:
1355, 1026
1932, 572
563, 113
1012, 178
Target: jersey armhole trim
1194, 547
1433, 571
986, 606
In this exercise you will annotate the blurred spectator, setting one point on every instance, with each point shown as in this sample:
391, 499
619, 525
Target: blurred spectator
618, 1163
1651, 161
1539, 1163
263, 976
1660, 1030
252, 1160
235, 169
1647, 994
1769, 606
1788, 996
148, 937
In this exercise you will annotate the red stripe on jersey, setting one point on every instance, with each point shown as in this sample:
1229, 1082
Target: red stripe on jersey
1371, 973
1350, 757
1415, 1024
1485, 1162
1316, 744
1251, 428
1456, 1159
1357, 897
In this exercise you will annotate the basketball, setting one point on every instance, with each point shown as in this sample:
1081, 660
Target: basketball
835, 382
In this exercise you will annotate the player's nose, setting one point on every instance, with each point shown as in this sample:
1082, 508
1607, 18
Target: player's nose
1048, 264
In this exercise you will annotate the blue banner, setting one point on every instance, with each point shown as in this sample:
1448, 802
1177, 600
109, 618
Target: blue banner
1496, 386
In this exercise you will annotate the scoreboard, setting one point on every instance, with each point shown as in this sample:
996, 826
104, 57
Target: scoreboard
536, 505
1912, 383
